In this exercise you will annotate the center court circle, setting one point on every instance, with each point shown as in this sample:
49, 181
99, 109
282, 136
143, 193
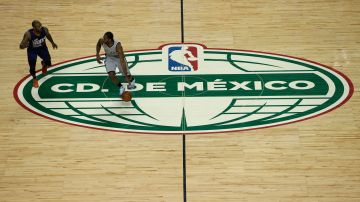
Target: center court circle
188, 89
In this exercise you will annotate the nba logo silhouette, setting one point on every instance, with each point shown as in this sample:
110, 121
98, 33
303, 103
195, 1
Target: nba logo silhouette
183, 58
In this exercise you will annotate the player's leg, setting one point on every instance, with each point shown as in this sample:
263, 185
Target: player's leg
129, 78
110, 66
115, 80
32, 55
46, 59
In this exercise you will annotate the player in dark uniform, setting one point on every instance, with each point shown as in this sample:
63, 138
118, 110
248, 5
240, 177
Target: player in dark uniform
34, 41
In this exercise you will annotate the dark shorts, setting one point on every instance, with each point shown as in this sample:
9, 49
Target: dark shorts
42, 52
32, 54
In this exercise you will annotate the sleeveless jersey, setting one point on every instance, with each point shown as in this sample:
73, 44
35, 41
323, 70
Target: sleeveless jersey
37, 41
111, 51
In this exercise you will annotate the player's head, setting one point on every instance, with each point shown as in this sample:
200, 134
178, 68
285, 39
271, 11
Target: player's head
108, 37
36, 24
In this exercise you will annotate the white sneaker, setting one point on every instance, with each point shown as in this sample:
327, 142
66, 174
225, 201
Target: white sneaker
132, 84
121, 90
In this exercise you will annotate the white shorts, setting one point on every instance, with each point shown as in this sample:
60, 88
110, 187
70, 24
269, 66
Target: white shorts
111, 63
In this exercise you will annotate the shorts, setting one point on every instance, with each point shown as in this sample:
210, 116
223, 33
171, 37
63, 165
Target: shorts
42, 52
111, 63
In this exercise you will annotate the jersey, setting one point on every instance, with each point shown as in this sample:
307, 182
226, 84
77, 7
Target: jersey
112, 60
37, 41
111, 51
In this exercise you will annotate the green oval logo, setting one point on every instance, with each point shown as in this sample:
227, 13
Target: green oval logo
188, 88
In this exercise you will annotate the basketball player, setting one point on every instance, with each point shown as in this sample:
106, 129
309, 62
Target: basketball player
115, 58
34, 41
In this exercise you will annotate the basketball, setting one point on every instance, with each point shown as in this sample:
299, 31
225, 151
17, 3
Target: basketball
126, 96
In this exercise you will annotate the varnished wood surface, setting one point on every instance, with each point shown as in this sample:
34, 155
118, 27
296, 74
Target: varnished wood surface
312, 160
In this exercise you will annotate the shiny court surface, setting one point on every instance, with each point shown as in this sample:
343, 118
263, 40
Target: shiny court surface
312, 160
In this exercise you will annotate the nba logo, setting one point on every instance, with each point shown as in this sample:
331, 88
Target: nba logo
183, 58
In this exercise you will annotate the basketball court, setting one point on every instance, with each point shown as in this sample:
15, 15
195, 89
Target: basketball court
46, 157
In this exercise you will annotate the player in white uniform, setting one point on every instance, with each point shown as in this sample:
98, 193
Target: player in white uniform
115, 58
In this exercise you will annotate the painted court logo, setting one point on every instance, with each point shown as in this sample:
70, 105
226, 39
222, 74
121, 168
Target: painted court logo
183, 58
188, 88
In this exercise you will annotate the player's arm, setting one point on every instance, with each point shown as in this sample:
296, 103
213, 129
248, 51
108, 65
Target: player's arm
49, 37
123, 64
98, 48
25, 41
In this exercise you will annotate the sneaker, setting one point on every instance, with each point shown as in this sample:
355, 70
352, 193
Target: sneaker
44, 67
131, 85
35, 83
121, 90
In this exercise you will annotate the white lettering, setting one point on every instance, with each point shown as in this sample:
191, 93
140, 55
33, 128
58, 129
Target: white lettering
217, 85
56, 88
308, 85
156, 86
198, 85
270, 85
258, 85
241, 85
91, 87
180, 68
